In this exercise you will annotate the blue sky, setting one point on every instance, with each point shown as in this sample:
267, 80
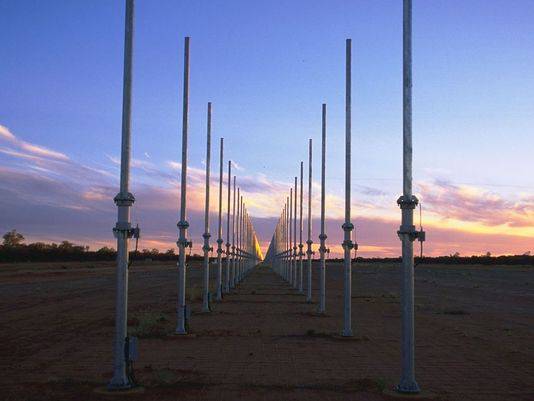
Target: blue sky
267, 66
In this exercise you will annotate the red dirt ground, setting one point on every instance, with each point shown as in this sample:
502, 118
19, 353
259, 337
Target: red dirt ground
474, 335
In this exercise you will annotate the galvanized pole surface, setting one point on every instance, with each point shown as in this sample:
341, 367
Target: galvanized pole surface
239, 236
219, 226
228, 244
232, 268
123, 231
239, 240
323, 236
206, 248
243, 242
286, 239
290, 236
301, 278
295, 267
407, 203
288, 246
347, 225
183, 225
237, 233
309, 242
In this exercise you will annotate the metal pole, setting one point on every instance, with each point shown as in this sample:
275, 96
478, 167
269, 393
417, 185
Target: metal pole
228, 252
301, 284
123, 230
206, 248
183, 225
407, 203
286, 239
322, 236
219, 227
309, 251
232, 267
239, 235
290, 256
295, 267
347, 225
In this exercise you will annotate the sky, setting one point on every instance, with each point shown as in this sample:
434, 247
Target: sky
267, 66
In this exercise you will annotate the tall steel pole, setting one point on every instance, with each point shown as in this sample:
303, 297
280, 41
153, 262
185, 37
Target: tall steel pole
309, 242
286, 239
290, 256
301, 275
219, 226
323, 236
232, 267
295, 267
228, 244
183, 225
206, 248
243, 255
407, 202
123, 229
347, 225
238, 237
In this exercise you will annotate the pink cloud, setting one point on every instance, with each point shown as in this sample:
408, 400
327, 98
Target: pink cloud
467, 203
30, 148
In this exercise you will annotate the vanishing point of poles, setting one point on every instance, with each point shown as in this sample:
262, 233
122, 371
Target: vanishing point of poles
241, 248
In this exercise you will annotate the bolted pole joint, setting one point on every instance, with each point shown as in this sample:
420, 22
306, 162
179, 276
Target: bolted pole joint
183, 225
411, 233
126, 228
309, 250
124, 199
407, 202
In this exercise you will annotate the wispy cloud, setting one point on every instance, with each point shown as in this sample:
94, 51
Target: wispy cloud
30, 148
49, 196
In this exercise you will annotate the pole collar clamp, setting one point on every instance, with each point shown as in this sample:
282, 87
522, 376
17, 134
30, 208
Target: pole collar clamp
323, 236
412, 233
183, 225
407, 202
125, 227
124, 199
348, 244
184, 242
206, 235
348, 226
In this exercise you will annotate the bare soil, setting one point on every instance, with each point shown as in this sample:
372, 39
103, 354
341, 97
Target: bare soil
474, 335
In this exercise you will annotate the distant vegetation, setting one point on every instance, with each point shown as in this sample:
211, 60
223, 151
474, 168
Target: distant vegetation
13, 249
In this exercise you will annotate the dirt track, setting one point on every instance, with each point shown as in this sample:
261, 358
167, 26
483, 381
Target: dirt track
474, 335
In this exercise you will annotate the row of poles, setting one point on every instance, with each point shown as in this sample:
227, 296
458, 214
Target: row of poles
285, 253
242, 246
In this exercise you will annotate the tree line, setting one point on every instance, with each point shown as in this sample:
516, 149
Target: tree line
13, 249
